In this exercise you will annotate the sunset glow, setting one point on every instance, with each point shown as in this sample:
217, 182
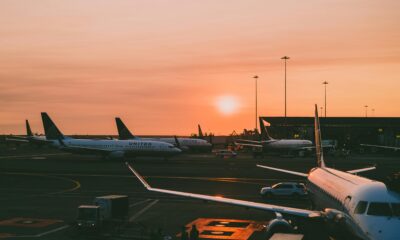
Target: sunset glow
227, 105
85, 62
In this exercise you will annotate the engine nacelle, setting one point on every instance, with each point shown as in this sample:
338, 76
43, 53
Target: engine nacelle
116, 155
278, 225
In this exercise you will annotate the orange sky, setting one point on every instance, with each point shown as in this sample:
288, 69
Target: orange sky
162, 65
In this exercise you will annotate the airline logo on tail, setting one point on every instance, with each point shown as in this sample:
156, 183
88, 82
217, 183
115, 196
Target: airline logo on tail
264, 132
200, 131
123, 131
28, 129
50, 129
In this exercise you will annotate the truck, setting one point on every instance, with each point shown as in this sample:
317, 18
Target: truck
106, 211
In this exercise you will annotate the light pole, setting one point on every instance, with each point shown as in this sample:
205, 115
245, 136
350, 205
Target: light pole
373, 112
366, 111
321, 111
256, 77
325, 83
285, 58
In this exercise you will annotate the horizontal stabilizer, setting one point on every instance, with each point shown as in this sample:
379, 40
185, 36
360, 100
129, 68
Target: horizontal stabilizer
355, 171
284, 171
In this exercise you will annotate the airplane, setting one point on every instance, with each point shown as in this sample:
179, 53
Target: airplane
29, 138
114, 149
186, 144
365, 208
269, 144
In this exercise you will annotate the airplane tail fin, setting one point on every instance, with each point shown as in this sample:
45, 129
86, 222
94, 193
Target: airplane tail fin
264, 132
28, 129
123, 131
200, 131
318, 141
50, 129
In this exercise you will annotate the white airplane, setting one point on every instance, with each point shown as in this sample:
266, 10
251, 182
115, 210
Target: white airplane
29, 138
186, 144
269, 144
367, 208
380, 146
107, 148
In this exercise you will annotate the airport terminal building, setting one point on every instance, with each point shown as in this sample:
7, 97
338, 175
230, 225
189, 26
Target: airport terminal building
348, 132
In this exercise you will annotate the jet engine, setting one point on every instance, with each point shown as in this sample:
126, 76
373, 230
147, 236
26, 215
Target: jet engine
278, 225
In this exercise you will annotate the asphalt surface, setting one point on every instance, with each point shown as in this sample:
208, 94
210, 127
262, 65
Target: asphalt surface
41, 189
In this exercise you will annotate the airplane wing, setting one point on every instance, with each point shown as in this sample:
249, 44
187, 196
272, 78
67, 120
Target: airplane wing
313, 147
262, 206
83, 149
355, 171
249, 145
380, 146
17, 139
284, 171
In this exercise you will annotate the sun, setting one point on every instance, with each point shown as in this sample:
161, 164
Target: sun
227, 105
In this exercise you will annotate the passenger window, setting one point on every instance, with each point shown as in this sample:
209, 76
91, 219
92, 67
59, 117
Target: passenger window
361, 207
379, 209
396, 209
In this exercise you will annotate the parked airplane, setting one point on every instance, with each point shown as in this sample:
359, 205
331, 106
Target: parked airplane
29, 138
186, 144
107, 148
367, 208
269, 144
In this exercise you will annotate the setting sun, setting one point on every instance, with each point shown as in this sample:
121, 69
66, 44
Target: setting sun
227, 105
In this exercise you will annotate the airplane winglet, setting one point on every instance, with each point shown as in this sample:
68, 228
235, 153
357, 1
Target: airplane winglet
141, 179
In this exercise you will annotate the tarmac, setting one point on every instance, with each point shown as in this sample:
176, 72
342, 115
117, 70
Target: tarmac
41, 189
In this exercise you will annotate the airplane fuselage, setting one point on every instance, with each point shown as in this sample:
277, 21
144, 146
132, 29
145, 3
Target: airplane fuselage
119, 147
286, 144
189, 144
330, 188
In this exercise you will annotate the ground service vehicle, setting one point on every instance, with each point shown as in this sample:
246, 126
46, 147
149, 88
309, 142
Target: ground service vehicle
111, 210
284, 189
225, 153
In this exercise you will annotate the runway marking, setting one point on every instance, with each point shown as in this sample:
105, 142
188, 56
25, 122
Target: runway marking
143, 210
75, 182
52, 231
44, 233
28, 222
226, 229
137, 203
34, 155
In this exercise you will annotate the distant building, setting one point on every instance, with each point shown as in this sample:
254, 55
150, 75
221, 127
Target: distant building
347, 131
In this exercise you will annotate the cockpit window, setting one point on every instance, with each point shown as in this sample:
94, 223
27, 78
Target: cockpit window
361, 207
379, 209
396, 209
